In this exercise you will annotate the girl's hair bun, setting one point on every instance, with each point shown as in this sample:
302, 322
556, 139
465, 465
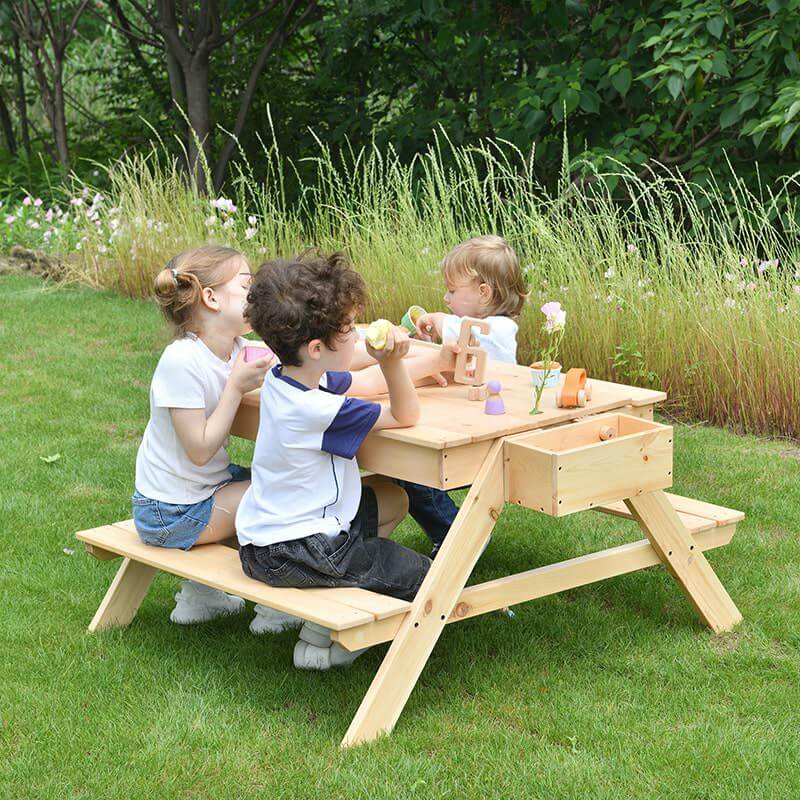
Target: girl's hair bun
179, 285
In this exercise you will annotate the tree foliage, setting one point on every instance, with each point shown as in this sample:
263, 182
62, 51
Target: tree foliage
692, 84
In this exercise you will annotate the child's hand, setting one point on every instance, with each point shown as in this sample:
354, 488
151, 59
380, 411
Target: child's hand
249, 375
395, 349
429, 326
443, 360
424, 327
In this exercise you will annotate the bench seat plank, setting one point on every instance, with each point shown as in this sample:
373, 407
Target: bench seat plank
218, 566
380, 606
696, 515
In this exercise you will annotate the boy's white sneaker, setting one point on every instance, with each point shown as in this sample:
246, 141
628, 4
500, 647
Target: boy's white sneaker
269, 620
310, 656
315, 650
196, 602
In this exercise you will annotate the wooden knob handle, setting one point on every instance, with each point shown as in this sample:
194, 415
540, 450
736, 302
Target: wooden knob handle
607, 432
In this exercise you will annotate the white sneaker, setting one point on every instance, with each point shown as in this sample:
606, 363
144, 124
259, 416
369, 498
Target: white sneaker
315, 650
310, 656
196, 602
269, 620
318, 635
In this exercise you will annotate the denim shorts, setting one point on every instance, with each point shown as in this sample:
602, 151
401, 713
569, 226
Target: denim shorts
356, 558
177, 526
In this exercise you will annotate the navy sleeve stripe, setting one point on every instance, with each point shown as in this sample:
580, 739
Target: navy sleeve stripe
350, 427
337, 382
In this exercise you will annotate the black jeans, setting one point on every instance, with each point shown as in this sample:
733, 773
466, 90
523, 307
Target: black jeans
357, 558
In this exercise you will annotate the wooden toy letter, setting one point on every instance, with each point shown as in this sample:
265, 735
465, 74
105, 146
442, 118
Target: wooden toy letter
471, 359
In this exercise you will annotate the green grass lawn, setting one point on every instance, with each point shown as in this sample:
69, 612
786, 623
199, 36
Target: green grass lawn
613, 690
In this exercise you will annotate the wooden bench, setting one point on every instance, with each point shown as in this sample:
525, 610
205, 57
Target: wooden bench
358, 617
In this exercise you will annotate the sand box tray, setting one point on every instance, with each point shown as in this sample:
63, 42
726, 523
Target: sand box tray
571, 468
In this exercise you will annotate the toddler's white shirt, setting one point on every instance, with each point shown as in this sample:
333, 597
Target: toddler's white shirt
500, 343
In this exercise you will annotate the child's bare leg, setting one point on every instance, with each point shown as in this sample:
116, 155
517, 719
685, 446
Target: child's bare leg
222, 525
392, 504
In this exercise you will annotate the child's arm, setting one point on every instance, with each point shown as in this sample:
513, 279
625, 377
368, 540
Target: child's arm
421, 364
202, 437
402, 411
361, 358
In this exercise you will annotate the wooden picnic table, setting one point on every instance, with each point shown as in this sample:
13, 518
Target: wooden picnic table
552, 462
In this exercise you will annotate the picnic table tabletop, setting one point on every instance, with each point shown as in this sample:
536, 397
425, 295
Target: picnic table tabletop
449, 419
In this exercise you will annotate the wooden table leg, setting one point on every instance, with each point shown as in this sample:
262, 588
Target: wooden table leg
124, 596
672, 541
420, 630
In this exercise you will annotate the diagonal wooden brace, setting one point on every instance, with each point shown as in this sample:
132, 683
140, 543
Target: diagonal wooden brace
672, 541
124, 596
435, 600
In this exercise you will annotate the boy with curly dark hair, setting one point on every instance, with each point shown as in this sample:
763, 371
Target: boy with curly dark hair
306, 520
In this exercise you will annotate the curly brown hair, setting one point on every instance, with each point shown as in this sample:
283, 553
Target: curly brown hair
291, 302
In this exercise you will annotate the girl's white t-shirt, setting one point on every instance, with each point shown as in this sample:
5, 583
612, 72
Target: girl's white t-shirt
188, 375
500, 343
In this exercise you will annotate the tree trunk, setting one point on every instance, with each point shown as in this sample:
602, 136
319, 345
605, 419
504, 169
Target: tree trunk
8, 128
274, 42
46, 91
59, 120
22, 103
177, 90
198, 112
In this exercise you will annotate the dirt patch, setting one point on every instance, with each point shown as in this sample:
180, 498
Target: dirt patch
85, 491
793, 453
726, 642
775, 534
26, 355
122, 432
22, 261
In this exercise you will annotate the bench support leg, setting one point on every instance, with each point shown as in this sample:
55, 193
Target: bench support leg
435, 600
678, 552
124, 596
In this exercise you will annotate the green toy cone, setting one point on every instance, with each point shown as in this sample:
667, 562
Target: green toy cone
409, 321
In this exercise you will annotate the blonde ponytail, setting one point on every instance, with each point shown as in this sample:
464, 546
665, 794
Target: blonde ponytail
179, 286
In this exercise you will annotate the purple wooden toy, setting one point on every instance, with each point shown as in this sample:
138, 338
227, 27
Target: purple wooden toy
494, 403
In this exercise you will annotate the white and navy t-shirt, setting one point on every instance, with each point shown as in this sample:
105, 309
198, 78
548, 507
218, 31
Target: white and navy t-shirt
188, 375
500, 343
305, 475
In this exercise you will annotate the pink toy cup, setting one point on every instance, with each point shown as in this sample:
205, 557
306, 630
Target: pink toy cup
253, 352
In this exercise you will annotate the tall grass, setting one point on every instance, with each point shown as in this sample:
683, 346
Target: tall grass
696, 290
